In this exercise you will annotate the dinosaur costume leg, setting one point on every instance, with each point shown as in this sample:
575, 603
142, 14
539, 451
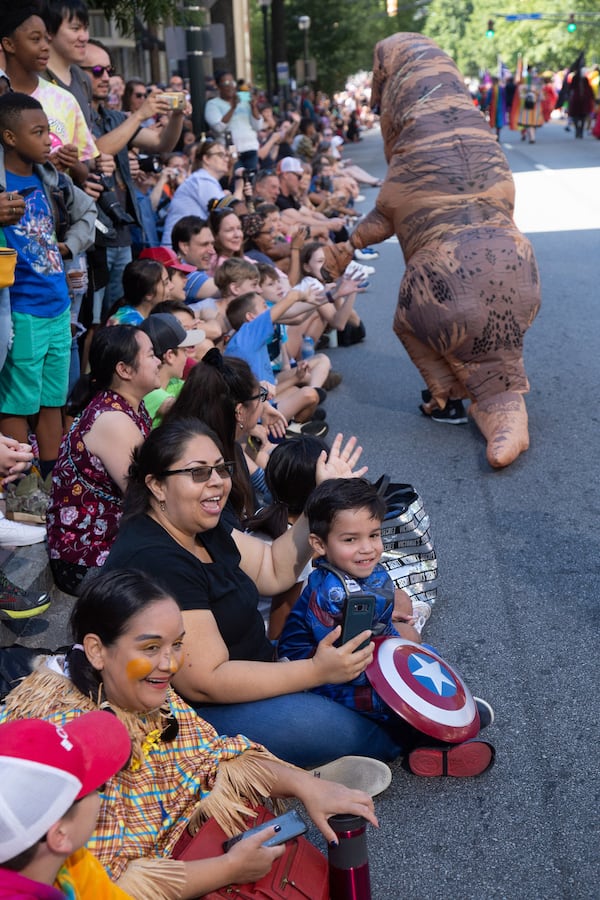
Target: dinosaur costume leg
503, 422
463, 309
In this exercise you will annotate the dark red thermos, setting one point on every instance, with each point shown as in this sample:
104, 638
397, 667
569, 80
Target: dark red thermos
349, 861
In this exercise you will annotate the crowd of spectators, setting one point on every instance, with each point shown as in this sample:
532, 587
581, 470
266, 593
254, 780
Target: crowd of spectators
164, 327
136, 211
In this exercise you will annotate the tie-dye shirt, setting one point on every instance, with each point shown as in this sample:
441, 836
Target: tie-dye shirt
66, 119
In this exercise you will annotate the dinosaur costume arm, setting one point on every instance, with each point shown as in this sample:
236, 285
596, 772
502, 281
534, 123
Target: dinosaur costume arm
374, 228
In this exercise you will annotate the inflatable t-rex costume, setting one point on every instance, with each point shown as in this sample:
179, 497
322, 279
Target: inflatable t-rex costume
471, 286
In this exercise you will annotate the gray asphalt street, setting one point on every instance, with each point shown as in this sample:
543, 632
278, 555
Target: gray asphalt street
518, 552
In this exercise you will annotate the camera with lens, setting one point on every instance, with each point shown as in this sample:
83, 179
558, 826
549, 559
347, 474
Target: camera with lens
248, 177
108, 202
150, 164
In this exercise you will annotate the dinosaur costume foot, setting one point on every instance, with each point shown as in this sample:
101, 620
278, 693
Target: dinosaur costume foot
503, 422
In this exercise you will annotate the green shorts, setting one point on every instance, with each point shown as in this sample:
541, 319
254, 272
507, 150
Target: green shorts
36, 372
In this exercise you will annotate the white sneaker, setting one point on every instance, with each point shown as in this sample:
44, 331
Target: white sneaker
422, 610
355, 268
15, 534
361, 773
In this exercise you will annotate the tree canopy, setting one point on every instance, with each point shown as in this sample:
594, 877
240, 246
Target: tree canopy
544, 43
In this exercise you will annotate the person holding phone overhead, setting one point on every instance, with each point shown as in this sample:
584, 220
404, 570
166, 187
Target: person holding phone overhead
344, 517
229, 113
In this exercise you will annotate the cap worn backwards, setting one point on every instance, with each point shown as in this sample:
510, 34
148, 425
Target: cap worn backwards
47, 767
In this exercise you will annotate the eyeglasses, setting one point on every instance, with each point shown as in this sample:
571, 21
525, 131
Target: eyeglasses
97, 71
218, 153
201, 474
262, 395
227, 83
268, 231
140, 96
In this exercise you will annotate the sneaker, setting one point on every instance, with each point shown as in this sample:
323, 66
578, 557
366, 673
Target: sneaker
27, 500
422, 610
486, 713
333, 379
359, 773
366, 255
354, 268
465, 760
453, 413
15, 603
14, 534
315, 428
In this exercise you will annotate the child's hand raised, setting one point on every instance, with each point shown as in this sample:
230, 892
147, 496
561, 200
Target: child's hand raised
341, 460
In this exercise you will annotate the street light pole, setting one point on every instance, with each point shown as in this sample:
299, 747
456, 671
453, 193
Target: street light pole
304, 26
265, 5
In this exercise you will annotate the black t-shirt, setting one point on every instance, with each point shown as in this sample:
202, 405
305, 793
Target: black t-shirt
220, 586
287, 202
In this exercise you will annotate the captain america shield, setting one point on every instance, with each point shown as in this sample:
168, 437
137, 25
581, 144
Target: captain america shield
422, 688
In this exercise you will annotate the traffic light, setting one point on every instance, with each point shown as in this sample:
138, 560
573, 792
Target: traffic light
490, 29
571, 24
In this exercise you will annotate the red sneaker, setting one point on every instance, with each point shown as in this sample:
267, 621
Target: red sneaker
455, 760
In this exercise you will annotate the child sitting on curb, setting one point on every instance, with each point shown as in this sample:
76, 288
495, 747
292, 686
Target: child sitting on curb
345, 517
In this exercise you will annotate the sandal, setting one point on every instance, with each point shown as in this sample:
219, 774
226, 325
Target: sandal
464, 760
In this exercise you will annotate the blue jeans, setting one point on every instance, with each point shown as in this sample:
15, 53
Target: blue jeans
305, 729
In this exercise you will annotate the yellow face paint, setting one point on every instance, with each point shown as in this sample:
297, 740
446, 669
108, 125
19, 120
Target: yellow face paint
138, 669
174, 665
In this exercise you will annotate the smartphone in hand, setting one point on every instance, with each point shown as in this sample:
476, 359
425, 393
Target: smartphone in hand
358, 616
291, 825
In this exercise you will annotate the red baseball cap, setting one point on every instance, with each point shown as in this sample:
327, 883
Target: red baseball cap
46, 767
167, 257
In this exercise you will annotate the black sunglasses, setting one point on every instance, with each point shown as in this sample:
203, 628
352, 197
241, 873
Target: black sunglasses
200, 474
97, 71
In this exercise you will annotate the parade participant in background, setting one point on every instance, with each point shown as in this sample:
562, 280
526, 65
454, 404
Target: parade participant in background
461, 330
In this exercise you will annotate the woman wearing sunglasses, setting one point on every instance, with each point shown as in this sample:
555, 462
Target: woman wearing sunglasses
173, 530
226, 396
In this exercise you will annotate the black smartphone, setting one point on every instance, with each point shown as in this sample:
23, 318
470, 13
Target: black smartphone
291, 825
358, 616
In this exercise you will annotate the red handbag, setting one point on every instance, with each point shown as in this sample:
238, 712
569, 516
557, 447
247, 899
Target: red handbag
302, 873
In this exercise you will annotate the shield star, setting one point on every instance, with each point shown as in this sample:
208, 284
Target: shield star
432, 671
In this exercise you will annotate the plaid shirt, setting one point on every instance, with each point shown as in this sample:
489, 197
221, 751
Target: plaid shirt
144, 812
